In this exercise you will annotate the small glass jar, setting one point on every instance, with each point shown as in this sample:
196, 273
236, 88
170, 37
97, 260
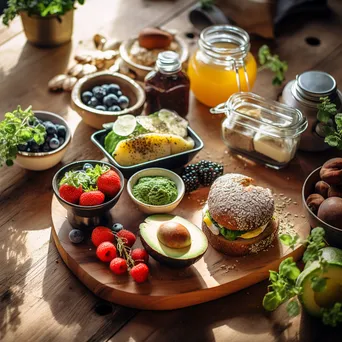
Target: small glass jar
304, 93
168, 86
222, 65
265, 131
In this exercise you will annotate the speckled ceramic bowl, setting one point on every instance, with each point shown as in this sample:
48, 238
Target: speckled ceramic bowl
40, 161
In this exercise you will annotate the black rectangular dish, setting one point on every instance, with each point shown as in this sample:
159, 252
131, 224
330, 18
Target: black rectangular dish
170, 162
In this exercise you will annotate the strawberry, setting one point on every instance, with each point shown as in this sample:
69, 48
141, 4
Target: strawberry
90, 198
127, 237
139, 255
139, 273
101, 234
118, 266
109, 183
70, 193
106, 251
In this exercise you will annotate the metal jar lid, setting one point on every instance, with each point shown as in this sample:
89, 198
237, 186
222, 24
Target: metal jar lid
311, 85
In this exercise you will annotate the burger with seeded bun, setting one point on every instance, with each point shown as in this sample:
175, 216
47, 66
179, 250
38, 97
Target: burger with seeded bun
238, 217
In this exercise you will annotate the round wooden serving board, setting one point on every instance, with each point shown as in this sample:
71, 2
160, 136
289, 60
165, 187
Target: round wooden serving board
212, 277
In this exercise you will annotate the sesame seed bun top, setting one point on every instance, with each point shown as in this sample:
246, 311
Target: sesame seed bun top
236, 204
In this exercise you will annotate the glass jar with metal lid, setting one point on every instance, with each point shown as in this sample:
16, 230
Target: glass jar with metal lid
265, 131
304, 93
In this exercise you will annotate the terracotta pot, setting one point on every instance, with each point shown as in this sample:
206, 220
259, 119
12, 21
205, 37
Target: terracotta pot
48, 31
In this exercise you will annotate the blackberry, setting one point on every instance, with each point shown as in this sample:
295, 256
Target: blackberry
190, 168
209, 171
191, 181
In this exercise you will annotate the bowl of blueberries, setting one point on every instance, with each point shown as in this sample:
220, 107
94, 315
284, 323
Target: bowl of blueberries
101, 97
32, 156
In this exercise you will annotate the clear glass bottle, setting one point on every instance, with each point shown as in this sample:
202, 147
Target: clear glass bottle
168, 86
222, 65
265, 131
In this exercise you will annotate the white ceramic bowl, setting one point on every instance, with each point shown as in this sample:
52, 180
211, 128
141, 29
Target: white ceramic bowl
156, 209
45, 160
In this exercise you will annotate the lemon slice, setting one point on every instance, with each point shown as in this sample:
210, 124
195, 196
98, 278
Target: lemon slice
125, 125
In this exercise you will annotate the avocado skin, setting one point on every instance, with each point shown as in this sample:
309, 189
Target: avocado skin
170, 262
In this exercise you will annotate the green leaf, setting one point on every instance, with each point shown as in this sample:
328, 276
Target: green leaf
271, 301
289, 269
318, 284
338, 120
273, 276
293, 308
25, 134
9, 162
332, 316
323, 116
289, 240
332, 140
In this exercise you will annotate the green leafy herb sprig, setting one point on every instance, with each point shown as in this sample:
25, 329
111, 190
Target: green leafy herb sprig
17, 128
331, 122
88, 178
273, 63
283, 283
42, 8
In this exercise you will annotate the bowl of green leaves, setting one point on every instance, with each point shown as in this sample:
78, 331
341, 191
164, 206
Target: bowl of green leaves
35, 140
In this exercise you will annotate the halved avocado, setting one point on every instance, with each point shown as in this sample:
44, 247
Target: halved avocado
173, 257
314, 301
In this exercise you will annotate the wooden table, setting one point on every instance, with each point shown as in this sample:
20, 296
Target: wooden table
40, 299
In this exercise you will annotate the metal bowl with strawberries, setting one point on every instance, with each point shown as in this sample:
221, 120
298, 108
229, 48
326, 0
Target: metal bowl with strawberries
88, 189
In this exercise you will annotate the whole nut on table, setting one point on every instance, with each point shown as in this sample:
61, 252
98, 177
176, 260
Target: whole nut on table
69, 83
314, 201
56, 83
331, 171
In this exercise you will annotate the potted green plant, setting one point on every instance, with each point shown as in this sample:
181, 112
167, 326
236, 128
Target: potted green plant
46, 22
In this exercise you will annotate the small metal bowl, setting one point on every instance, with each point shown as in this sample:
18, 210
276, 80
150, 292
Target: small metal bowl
142, 70
83, 217
96, 118
333, 235
39, 161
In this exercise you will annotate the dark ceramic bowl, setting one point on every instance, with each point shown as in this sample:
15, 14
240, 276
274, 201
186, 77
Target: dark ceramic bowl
171, 162
333, 235
83, 217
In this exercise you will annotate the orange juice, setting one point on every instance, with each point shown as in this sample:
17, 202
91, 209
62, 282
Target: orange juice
212, 84
212, 72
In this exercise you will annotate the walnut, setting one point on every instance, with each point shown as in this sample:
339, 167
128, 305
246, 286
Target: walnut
322, 188
331, 171
314, 201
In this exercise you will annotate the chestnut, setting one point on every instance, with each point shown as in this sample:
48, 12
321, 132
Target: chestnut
331, 171
322, 188
314, 201
335, 191
330, 211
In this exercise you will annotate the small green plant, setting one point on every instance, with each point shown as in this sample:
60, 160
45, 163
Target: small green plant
273, 63
331, 122
16, 129
42, 8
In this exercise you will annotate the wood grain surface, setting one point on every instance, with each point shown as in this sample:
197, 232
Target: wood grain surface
40, 299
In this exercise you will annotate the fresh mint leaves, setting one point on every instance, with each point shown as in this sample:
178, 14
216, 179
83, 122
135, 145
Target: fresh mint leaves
15, 130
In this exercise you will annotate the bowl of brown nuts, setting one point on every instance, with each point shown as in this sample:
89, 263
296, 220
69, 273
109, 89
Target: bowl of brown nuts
102, 97
322, 200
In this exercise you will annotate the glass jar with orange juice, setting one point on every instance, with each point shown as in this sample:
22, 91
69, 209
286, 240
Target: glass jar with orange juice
222, 65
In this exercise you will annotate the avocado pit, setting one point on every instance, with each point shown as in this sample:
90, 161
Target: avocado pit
174, 235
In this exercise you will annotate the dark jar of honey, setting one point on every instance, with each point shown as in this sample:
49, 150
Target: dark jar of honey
168, 86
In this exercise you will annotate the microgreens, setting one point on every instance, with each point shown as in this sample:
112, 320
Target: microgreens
88, 178
17, 128
331, 122
283, 285
273, 63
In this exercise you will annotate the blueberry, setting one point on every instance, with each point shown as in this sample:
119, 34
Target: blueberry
117, 227
76, 236
93, 102
99, 92
22, 147
54, 143
100, 107
114, 108
61, 141
123, 102
45, 147
105, 87
87, 166
110, 100
34, 146
113, 88
86, 96
61, 131
50, 136
119, 93
50, 128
